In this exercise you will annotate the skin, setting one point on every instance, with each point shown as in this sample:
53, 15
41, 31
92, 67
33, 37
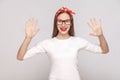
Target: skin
63, 34
97, 32
31, 31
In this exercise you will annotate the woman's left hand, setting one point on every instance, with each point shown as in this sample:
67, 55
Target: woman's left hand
96, 27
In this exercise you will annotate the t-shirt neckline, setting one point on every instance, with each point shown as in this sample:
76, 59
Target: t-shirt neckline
63, 39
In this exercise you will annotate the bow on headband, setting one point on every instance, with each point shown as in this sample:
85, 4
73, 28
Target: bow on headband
64, 9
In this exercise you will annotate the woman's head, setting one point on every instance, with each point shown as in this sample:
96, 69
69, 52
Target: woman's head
63, 22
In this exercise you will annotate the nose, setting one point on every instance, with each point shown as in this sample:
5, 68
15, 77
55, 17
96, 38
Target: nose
63, 24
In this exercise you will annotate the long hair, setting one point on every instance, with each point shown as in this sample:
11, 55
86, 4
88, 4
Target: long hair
55, 30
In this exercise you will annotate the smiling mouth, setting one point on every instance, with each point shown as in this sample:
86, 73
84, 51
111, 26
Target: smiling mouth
63, 29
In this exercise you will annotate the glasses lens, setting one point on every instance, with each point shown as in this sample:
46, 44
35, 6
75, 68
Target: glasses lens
67, 21
59, 21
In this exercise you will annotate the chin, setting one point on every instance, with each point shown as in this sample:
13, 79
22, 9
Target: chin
63, 33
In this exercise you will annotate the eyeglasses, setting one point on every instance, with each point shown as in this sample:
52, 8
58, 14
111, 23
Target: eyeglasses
60, 22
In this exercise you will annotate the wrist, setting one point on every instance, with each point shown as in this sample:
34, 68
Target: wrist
100, 35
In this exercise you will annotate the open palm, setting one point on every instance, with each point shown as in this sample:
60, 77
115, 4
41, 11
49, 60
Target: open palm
96, 27
31, 29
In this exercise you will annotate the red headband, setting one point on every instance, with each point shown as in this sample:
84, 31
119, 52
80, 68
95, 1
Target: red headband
65, 10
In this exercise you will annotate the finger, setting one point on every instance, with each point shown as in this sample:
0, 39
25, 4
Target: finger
90, 24
94, 21
34, 23
100, 22
28, 23
36, 31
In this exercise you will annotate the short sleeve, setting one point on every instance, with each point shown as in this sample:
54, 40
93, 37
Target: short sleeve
93, 47
37, 49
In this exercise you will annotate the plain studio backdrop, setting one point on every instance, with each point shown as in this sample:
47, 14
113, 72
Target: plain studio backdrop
14, 14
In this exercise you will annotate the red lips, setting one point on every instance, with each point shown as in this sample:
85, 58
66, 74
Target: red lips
63, 29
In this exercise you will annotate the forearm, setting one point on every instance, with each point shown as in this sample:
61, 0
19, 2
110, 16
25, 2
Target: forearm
103, 44
23, 48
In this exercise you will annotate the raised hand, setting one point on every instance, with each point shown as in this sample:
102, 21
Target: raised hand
30, 28
96, 27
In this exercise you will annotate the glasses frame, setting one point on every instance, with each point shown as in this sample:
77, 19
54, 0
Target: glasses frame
66, 21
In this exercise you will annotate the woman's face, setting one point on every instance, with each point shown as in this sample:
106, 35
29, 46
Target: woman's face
63, 23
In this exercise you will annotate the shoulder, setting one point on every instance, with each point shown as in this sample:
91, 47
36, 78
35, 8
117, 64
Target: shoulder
79, 38
46, 41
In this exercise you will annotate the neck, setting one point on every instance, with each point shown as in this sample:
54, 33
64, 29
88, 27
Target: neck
62, 36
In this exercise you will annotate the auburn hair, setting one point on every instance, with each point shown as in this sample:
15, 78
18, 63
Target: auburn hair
55, 30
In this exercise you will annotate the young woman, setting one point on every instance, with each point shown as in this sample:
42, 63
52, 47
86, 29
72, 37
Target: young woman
63, 47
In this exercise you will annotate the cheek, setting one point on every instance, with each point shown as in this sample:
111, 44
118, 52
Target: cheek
69, 27
58, 27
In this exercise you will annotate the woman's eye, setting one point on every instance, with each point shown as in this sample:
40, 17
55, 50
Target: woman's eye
59, 20
67, 21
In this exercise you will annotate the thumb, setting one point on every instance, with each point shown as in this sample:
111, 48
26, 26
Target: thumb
36, 31
92, 34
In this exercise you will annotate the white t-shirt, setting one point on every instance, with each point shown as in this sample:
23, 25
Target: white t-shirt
63, 56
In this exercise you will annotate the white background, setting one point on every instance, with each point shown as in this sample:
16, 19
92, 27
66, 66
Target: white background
14, 14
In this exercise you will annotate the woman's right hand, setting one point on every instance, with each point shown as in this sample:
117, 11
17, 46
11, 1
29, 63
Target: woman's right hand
30, 28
